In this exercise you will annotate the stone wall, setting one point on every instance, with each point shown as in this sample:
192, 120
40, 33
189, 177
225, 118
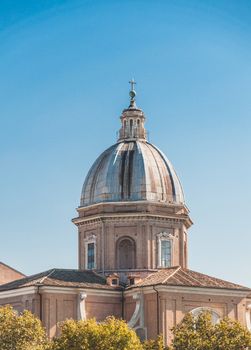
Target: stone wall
8, 274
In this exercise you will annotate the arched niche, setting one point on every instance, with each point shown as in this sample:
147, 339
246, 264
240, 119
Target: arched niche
126, 253
215, 316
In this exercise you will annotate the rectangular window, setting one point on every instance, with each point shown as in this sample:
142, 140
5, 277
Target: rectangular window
165, 253
90, 256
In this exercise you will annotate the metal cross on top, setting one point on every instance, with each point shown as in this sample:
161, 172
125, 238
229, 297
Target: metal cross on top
132, 82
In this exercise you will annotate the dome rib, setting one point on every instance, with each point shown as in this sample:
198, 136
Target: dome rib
177, 187
168, 169
159, 172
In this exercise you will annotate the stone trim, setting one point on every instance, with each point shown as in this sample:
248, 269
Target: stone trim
91, 238
164, 236
138, 314
176, 205
120, 218
81, 311
248, 317
91, 291
189, 290
16, 292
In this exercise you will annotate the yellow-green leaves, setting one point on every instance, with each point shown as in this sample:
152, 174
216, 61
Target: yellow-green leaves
25, 332
112, 334
199, 333
20, 332
231, 335
157, 344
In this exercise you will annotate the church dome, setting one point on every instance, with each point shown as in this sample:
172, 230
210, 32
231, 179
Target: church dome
132, 169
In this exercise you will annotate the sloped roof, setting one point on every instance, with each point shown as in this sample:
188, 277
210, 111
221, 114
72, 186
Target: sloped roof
61, 278
177, 276
173, 276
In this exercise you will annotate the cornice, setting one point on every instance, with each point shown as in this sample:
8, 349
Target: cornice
80, 221
18, 292
74, 291
133, 203
187, 290
59, 290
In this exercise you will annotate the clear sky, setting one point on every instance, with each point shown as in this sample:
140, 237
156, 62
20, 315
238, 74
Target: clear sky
64, 72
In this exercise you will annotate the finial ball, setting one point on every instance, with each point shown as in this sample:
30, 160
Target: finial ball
132, 93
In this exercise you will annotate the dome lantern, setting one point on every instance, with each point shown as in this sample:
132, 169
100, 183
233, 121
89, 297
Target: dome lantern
132, 119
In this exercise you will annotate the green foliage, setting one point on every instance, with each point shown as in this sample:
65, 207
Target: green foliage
199, 333
157, 344
231, 335
25, 332
20, 332
112, 334
193, 333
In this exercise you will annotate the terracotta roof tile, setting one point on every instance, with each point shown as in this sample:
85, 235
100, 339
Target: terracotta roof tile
61, 278
173, 276
176, 276
157, 277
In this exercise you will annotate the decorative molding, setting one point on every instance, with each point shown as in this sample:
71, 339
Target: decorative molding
158, 204
189, 290
17, 292
90, 238
138, 314
82, 221
71, 290
81, 310
164, 236
248, 317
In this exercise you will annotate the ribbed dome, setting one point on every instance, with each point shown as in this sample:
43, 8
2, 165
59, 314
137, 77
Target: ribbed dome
132, 170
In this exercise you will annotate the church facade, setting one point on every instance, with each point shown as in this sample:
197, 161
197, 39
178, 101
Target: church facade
132, 248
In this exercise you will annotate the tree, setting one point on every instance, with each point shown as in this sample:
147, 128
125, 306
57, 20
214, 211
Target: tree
193, 333
231, 335
20, 332
112, 334
157, 344
199, 333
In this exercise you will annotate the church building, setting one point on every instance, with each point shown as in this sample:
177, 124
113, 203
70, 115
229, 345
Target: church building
133, 231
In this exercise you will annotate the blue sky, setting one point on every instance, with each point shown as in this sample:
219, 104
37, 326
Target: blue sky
65, 67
